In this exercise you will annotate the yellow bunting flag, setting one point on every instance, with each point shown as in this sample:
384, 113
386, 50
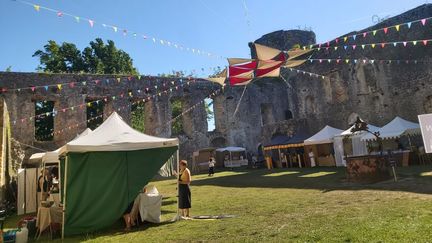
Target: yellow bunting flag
397, 27
374, 32
373, 45
88, 104
59, 86
36, 7
347, 60
345, 39
414, 42
118, 80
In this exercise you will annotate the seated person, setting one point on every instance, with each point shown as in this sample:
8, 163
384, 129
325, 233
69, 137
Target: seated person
131, 213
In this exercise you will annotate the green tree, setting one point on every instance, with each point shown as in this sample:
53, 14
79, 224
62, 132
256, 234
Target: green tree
8, 69
98, 58
177, 125
138, 116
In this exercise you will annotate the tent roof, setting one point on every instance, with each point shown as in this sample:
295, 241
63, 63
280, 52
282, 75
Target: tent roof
115, 135
53, 156
35, 158
324, 136
278, 140
299, 137
371, 128
395, 128
231, 149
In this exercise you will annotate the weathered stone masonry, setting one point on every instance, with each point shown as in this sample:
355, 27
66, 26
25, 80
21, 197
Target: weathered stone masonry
376, 92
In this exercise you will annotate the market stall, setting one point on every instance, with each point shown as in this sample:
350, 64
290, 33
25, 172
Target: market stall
320, 146
233, 156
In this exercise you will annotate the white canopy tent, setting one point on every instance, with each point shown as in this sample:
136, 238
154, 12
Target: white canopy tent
319, 147
234, 162
324, 136
359, 146
115, 135
394, 129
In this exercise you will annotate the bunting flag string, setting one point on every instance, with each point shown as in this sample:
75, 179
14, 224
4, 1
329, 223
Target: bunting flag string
357, 36
404, 43
211, 95
76, 125
315, 75
123, 31
106, 81
366, 61
105, 99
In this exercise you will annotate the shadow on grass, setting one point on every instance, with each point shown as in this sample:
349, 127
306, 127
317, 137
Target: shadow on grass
411, 179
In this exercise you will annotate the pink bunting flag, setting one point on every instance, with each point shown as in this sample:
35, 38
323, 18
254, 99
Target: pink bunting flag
382, 45
97, 81
385, 30
59, 14
91, 22
364, 34
33, 88
405, 43
425, 42
354, 47
337, 40
423, 21
72, 84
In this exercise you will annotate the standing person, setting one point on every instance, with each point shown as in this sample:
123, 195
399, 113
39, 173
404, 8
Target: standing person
43, 185
211, 164
312, 158
184, 190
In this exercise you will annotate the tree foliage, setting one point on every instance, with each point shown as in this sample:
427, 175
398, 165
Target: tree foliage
177, 125
99, 58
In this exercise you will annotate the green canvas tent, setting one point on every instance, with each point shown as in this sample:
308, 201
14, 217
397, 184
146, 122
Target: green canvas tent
105, 170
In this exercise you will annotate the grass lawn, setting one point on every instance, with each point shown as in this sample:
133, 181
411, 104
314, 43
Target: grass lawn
291, 205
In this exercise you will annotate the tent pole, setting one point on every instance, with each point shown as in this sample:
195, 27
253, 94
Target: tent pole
64, 196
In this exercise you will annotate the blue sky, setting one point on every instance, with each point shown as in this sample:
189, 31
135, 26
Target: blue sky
223, 27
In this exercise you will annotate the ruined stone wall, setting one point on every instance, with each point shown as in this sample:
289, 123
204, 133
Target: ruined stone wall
377, 92
244, 128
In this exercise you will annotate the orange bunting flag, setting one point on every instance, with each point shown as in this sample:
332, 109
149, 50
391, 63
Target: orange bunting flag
36, 7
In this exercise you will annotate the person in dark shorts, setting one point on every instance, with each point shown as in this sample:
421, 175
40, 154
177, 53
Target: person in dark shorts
184, 190
211, 165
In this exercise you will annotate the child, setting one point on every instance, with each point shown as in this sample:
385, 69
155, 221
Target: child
211, 166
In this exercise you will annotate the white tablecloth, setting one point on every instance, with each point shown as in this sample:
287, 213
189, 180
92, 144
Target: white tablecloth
148, 206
